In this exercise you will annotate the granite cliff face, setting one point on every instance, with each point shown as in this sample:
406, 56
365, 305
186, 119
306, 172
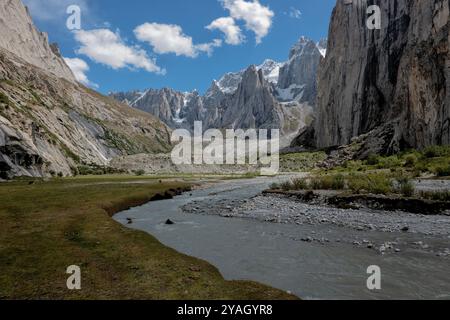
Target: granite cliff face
298, 75
165, 104
393, 83
49, 123
252, 105
19, 35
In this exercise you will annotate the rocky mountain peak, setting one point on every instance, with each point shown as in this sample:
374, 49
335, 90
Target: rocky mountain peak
19, 36
271, 70
297, 80
230, 82
304, 46
213, 90
252, 76
268, 64
253, 104
252, 98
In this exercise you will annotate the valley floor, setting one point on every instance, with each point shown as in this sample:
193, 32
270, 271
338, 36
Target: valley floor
47, 226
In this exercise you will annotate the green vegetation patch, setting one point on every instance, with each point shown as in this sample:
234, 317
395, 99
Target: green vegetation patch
47, 226
95, 170
435, 195
303, 161
121, 142
434, 161
373, 183
4, 99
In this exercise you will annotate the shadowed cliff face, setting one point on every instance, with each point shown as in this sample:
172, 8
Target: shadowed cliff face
396, 77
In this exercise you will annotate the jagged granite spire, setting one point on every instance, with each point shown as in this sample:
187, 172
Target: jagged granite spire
253, 104
298, 75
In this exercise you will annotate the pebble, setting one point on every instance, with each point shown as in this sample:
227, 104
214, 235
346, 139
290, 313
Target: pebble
298, 213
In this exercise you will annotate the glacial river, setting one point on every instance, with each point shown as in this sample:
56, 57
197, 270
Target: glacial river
274, 254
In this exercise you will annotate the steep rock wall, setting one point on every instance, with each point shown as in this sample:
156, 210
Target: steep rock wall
399, 75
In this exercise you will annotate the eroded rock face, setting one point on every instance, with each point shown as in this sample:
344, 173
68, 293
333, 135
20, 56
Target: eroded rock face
398, 76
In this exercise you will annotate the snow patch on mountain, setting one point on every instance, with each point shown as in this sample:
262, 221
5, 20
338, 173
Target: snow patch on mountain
229, 83
322, 46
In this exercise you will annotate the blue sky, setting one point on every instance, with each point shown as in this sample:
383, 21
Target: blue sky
139, 44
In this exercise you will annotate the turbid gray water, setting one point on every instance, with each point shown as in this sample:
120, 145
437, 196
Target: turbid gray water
311, 260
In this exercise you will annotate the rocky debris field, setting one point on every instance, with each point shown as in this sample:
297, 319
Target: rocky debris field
356, 226
278, 209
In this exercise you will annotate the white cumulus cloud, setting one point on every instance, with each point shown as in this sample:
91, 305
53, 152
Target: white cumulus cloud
106, 47
169, 38
258, 18
79, 68
233, 34
208, 48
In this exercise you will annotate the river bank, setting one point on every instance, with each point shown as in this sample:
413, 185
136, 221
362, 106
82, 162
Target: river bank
297, 247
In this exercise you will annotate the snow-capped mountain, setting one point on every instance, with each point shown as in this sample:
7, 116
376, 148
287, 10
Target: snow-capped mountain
297, 78
269, 95
167, 104
230, 81
174, 107
270, 70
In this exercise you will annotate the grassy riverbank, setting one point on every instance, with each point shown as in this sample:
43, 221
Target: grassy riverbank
47, 226
376, 174
432, 162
